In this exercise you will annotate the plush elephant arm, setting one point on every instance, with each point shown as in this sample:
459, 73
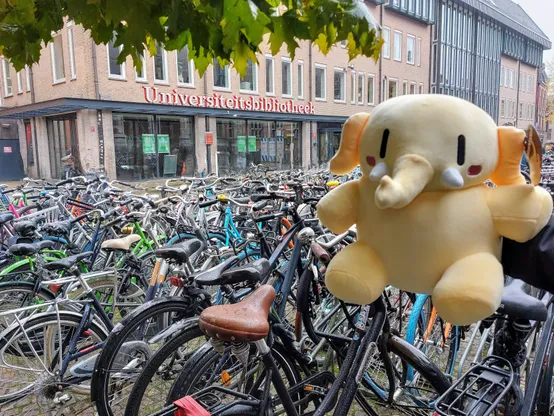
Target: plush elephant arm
519, 212
338, 210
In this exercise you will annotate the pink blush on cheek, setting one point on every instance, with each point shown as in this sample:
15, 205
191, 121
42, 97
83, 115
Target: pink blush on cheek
370, 160
474, 170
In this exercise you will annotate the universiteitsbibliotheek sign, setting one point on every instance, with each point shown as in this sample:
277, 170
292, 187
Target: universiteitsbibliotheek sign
236, 102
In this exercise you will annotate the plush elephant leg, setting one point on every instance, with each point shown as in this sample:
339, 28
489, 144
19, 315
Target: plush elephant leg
470, 289
356, 275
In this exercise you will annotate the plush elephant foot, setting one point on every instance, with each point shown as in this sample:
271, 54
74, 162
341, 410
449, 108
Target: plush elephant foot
356, 275
470, 289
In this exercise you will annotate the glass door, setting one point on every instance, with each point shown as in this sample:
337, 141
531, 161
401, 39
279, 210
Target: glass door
62, 146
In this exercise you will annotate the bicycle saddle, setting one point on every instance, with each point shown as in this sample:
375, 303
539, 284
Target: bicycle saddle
180, 252
123, 243
5, 217
28, 249
240, 322
26, 227
208, 277
251, 272
516, 303
68, 262
57, 228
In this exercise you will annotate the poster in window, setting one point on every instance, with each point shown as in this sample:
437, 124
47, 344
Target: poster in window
241, 144
163, 143
252, 143
148, 144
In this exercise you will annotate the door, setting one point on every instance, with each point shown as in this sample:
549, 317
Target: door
11, 165
62, 146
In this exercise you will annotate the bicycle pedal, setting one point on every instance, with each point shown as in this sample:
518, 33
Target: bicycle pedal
315, 389
62, 398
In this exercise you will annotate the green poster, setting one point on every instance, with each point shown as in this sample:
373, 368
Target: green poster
251, 143
241, 144
148, 144
163, 143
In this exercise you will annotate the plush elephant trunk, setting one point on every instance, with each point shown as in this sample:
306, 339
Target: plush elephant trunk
411, 174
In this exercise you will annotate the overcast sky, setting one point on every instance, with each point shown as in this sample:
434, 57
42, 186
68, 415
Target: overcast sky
542, 12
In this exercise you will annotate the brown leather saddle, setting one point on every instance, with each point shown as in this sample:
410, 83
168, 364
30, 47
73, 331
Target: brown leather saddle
245, 321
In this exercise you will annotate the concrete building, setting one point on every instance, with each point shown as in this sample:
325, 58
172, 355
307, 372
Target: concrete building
79, 104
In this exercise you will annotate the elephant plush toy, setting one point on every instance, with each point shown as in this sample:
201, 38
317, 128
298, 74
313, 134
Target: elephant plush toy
426, 221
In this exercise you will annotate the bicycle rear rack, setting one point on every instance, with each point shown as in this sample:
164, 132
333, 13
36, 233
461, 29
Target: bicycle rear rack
479, 390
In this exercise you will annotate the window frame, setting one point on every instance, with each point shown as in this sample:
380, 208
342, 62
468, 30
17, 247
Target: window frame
28, 77
285, 59
324, 91
408, 36
191, 70
6, 73
512, 78
53, 59
397, 32
386, 44
300, 80
256, 72
72, 63
353, 91
164, 63
395, 80
384, 87
405, 87
227, 70
272, 59
358, 95
19, 82
342, 71
372, 78
144, 71
122, 66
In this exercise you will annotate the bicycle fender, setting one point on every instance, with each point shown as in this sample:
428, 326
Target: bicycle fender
178, 326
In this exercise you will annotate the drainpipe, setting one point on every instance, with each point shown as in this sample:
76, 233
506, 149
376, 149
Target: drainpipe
98, 112
380, 83
33, 120
311, 99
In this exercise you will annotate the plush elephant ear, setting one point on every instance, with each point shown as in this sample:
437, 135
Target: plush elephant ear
510, 151
346, 158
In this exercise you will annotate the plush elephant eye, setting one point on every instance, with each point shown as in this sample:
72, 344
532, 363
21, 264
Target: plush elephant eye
461, 149
384, 141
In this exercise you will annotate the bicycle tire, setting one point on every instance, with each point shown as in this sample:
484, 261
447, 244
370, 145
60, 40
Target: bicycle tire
545, 395
109, 354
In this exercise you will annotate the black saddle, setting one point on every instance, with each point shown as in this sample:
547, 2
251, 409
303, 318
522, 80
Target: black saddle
181, 252
57, 228
5, 217
517, 303
68, 262
25, 228
209, 276
28, 249
251, 273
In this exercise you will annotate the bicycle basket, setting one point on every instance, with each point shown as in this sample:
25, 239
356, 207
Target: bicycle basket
479, 390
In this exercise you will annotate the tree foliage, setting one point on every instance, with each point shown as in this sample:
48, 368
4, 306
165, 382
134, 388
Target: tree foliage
230, 31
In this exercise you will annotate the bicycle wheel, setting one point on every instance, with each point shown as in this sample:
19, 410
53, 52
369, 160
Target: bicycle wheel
128, 349
155, 380
14, 295
47, 336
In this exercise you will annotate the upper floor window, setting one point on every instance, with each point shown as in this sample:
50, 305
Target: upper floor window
502, 76
249, 83
339, 85
56, 49
19, 83
286, 77
370, 89
28, 77
360, 88
300, 79
115, 70
7, 78
404, 4
222, 76
185, 67
72, 66
410, 49
141, 74
418, 52
160, 64
512, 78
269, 75
418, 7
502, 108
397, 45
411, 6
320, 82
353, 87
385, 34
506, 77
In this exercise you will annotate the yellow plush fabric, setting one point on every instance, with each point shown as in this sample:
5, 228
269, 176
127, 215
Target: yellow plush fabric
426, 222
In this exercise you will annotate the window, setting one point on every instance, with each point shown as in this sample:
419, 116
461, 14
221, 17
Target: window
393, 88
405, 88
301, 79
286, 77
360, 88
370, 89
412, 88
418, 7
185, 68
141, 75
320, 82
502, 76
386, 42
512, 76
72, 66
520, 110
411, 6
28, 77
418, 52
56, 49
385, 89
19, 83
353, 87
249, 83
502, 108
115, 70
222, 76
523, 82
270, 75
160, 64
410, 48
7, 78
397, 45
421, 88
343, 43
403, 4
339, 85
530, 81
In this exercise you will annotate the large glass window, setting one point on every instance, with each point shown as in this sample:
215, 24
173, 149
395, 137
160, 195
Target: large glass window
339, 85
175, 146
320, 82
418, 52
8, 89
116, 70
300, 80
249, 83
71, 50
410, 49
160, 64
141, 74
370, 89
397, 45
361, 84
221, 76
353, 87
270, 75
56, 49
385, 34
393, 88
185, 69
286, 77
